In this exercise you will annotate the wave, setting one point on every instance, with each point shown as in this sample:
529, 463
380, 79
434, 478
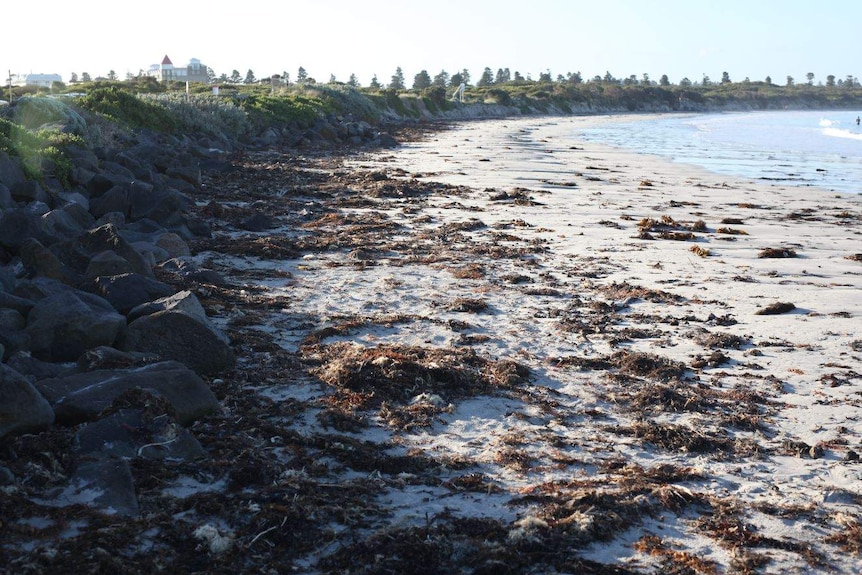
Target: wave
839, 133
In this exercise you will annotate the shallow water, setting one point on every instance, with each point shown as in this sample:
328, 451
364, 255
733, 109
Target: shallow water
819, 148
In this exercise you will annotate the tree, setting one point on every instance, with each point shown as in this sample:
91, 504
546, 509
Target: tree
441, 79
211, 75
630, 81
725, 78
517, 77
575, 78
545, 76
249, 77
374, 83
609, 79
790, 81
456, 80
851, 81
664, 80
112, 75
223, 79
332, 79
422, 80
85, 77
73, 78
769, 80
397, 81
830, 80
810, 77
301, 75
503, 76
129, 76
487, 78
645, 81
235, 77
706, 81
685, 82
353, 81
465, 77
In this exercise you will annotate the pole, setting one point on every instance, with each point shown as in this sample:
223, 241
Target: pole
10, 86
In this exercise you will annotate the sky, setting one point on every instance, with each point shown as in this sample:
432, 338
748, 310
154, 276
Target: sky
680, 38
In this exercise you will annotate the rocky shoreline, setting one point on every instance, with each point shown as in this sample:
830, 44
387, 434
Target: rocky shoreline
280, 366
110, 361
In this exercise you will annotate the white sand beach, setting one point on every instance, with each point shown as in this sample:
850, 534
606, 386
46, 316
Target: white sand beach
665, 420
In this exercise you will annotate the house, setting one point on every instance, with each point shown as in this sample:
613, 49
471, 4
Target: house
43, 80
167, 72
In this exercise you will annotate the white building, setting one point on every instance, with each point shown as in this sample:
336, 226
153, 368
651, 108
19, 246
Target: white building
167, 72
43, 80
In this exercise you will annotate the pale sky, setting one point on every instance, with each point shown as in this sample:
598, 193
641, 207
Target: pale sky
680, 38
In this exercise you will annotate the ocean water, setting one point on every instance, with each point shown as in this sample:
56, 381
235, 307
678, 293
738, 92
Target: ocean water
819, 148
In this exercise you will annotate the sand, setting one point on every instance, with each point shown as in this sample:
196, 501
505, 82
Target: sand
499, 349
620, 256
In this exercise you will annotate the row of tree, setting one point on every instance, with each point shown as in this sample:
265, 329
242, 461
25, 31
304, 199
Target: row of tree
424, 80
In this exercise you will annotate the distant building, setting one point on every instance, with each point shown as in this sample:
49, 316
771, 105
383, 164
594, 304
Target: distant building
42, 80
167, 72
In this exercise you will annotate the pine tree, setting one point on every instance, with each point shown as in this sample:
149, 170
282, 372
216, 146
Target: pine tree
374, 83
353, 81
422, 80
486, 79
235, 77
397, 81
249, 77
301, 75
441, 79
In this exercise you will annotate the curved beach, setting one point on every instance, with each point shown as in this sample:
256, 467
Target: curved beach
675, 355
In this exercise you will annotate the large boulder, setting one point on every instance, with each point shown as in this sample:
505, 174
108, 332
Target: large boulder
127, 291
82, 397
65, 325
78, 253
22, 407
177, 328
17, 225
11, 172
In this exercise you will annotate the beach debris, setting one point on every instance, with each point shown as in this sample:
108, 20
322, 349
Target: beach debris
214, 541
854, 257
776, 308
700, 251
777, 253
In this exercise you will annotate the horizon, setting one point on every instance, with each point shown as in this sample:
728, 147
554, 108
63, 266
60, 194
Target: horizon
335, 38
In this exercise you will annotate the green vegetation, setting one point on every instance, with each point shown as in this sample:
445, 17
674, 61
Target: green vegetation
42, 152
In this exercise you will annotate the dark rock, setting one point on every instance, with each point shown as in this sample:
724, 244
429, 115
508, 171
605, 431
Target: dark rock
190, 174
257, 223
17, 225
174, 245
68, 222
130, 433
65, 325
82, 397
127, 291
35, 369
106, 264
103, 483
186, 270
14, 303
22, 408
77, 254
12, 341
179, 336
29, 191
6, 200
385, 140
40, 261
104, 357
11, 172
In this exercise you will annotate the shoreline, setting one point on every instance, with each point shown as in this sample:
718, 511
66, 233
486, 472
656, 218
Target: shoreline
542, 355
